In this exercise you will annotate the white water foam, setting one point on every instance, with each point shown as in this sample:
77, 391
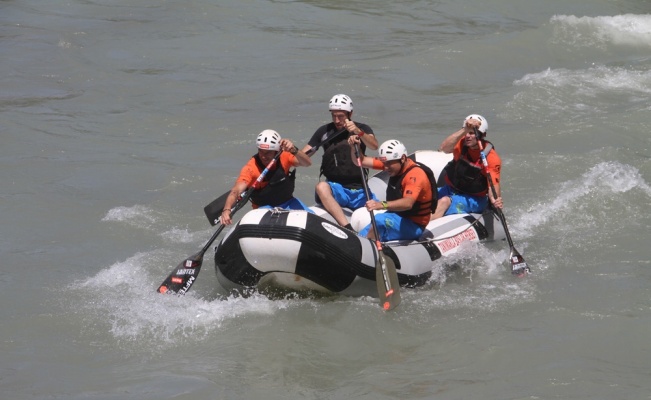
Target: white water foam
603, 181
474, 280
177, 235
122, 300
592, 81
123, 296
598, 32
587, 93
143, 217
138, 215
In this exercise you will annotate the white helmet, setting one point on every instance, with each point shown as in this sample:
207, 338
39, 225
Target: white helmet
341, 102
392, 150
484, 124
268, 140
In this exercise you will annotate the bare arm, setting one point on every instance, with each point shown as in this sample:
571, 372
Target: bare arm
469, 126
497, 202
402, 204
447, 146
368, 139
306, 150
238, 188
302, 159
497, 190
494, 173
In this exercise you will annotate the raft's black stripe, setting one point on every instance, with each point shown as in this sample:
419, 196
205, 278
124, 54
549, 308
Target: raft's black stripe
432, 250
230, 260
307, 239
406, 280
331, 264
319, 258
482, 232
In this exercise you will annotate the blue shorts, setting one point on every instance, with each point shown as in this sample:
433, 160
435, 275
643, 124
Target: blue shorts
351, 198
392, 226
291, 204
463, 203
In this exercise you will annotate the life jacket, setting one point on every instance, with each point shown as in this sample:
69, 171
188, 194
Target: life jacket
280, 188
465, 175
394, 192
337, 165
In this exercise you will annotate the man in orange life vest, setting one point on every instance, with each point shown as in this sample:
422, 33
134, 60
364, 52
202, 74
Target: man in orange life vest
410, 197
277, 189
466, 188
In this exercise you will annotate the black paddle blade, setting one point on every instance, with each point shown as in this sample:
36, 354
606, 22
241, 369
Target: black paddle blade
214, 209
182, 278
519, 267
388, 287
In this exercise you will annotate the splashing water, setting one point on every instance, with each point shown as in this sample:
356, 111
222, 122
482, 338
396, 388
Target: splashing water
605, 178
627, 29
137, 215
123, 296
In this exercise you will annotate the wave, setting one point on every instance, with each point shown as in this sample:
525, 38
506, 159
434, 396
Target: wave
122, 299
584, 196
143, 217
627, 29
138, 215
594, 91
592, 81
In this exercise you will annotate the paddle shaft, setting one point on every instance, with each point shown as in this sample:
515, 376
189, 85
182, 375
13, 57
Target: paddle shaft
211, 240
367, 192
325, 141
518, 265
388, 284
492, 187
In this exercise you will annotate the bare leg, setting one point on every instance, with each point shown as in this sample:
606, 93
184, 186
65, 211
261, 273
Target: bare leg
441, 208
324, 192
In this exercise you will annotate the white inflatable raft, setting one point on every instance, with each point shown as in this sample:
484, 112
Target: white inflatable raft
299, 251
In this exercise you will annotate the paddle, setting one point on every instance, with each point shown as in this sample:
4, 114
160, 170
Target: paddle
181, 279
386, 276
215, 208
518, 266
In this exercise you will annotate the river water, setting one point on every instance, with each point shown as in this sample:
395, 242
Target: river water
121, 120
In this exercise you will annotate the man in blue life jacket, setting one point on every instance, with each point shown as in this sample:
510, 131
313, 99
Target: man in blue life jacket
343, 186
